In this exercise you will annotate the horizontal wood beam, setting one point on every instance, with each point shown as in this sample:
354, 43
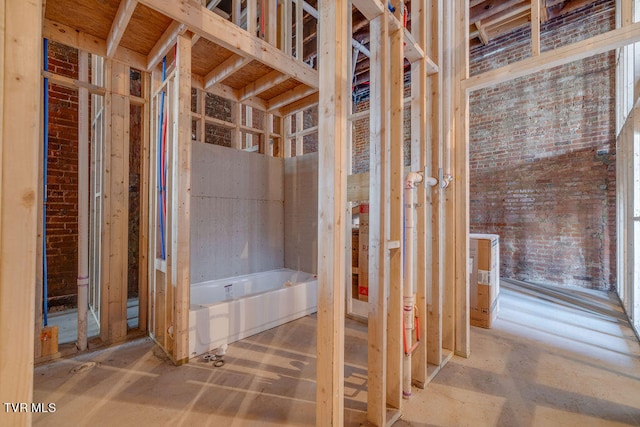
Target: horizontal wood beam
300, 105
202, 22
369, 8
265, 82
164, 44
489, 8
289, 97
224, 70
560, 56
74, 84
226, 92
119, 25
71, 37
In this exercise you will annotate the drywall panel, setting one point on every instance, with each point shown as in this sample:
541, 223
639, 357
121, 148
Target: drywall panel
237, 213
301, 213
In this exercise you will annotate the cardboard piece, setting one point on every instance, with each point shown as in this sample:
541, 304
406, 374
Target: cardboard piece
484, 280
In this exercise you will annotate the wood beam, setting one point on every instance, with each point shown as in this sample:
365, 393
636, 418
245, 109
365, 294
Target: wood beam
164, 44
182, 165
20, 103
370, 8
115, 228
332, 134
299, 105
482, 33
490, 7
119, 25
560, 56
289, 97
378, 232
396, 209
265, 82
71, 37
220, 31
421, 158
535, 27
461, 180
224, 70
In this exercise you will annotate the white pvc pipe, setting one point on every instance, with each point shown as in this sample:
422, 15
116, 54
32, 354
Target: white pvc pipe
408, 294
83, 200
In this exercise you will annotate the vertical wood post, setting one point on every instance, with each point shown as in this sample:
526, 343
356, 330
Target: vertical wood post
20, 38
461, 182
182, 207
334, 48
396, 254
378, 214
421, 157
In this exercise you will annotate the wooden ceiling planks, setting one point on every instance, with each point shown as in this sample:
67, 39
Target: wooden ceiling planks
278, 89
145, 29
93, 17
247, 74
206, 55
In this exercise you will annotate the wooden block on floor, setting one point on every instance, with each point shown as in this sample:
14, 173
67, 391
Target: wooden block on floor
49, 340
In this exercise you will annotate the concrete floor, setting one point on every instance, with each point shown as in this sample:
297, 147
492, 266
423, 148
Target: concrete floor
555, 357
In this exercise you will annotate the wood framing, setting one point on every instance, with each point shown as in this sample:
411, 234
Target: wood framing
535, 27
119, 25
229, 36
182, 207
396, 212
560, 56
115, 199
20, 103
461, 180
421, 160
333, 52
378, 232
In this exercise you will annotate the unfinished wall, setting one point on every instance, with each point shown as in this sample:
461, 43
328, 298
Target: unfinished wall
301, 213
542, 157
62, 176
237, 212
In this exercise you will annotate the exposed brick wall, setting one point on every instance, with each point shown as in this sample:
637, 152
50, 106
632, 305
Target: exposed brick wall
542, 157
62, 176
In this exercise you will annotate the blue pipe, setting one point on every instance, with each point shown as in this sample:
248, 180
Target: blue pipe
45, 286
160, 154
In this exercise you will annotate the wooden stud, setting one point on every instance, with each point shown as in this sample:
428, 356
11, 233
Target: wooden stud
20, 38
396, 160
378, 214
182, 208
236, 12
285, 26
299, 30
535, 27
252, 17
421, 158
461, 182
119, 25
435, 293
113, 310
299, 105
287, 140
145, 200
334, 48
271, 22
299, 137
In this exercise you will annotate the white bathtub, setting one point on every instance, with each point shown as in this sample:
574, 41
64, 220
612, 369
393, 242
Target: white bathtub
227, 310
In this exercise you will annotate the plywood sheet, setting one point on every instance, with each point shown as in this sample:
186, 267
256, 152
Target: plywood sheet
145, 29
91, 16
206, 55
279, 89
252, 72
